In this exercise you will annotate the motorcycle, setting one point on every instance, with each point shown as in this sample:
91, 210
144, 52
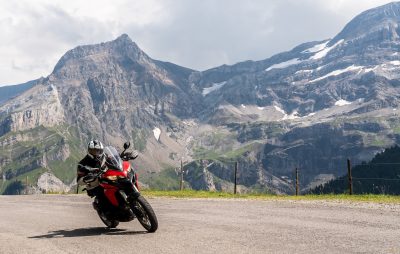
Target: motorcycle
121, 201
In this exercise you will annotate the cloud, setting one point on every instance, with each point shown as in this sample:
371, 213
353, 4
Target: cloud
195, 34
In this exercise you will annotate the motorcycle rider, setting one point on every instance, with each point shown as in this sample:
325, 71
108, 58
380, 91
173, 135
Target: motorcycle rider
94, 161
91, 163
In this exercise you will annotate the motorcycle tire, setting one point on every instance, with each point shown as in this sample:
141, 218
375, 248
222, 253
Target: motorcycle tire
109, 223
145, 214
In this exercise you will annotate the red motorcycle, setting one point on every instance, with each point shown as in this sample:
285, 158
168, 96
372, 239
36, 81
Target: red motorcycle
116, 191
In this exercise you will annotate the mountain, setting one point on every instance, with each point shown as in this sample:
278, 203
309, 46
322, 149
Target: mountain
112, 91
318, 103
379, 176
309, 108
9, 92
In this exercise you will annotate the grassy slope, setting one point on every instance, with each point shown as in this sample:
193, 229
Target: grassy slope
44, 141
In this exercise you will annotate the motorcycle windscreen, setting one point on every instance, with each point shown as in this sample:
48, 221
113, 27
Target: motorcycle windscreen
113, 159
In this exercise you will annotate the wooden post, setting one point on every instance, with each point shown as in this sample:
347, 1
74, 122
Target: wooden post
236, 169
350, 177
181, 181
297, 182
26, 185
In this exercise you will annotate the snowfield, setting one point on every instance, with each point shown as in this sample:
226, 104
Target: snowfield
214, 87
322, 53
284, 64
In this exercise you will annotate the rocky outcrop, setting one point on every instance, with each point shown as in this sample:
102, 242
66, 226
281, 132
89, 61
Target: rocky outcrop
47, 182
41, 106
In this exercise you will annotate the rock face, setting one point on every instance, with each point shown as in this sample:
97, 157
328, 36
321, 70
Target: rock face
311, 108
47, 182
42, 107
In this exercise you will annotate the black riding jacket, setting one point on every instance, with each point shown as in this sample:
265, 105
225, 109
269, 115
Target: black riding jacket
87, 161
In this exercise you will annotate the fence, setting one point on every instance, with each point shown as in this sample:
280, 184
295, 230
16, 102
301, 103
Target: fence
366, 178
354, 183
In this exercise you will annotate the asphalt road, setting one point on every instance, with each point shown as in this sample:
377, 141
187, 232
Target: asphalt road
68, 224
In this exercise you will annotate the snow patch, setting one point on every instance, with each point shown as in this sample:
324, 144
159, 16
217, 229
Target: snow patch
342, 102
243, 106
370, 69
280, 110
311, 114
213, 87
260, 108
338, 72
292, 116
397, 63
322, 53
303, 71
316, 48
284, 64
157, 133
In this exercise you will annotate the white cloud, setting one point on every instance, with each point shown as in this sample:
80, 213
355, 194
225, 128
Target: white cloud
195, 34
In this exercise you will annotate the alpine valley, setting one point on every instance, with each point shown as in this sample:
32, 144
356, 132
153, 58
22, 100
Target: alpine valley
309, 108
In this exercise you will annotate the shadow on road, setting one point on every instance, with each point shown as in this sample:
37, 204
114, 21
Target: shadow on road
79, 232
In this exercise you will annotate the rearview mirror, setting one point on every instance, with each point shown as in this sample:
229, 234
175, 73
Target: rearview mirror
127, 145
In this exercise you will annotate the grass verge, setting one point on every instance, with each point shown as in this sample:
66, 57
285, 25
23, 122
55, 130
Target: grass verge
330, 197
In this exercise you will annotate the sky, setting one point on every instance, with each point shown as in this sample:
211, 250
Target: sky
34, 34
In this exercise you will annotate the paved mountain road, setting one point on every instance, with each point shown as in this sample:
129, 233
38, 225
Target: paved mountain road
68, 224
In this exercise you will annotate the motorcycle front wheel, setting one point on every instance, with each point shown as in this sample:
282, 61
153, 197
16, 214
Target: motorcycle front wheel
109, 223
145, 214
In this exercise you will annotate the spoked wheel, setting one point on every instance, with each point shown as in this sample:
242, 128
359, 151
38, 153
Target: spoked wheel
145, 214
109, 223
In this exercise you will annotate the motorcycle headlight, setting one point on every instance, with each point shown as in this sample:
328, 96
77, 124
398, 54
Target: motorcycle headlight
112, 178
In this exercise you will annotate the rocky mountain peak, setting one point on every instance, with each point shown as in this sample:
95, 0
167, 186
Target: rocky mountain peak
121, 48
380, 24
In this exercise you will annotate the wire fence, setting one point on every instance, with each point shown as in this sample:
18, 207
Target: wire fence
365, 178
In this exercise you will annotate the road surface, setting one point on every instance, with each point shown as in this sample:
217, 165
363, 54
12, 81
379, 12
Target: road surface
68, 224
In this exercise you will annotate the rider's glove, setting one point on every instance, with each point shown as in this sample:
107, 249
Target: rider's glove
134, 154
130, 155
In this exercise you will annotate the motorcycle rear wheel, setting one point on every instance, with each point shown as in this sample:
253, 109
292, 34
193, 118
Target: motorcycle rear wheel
145, 214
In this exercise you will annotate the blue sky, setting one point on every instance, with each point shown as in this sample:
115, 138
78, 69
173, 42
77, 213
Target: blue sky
195, 34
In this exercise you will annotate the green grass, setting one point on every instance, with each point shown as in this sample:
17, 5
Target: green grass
241, 151
64, 170
330, 197
202, 153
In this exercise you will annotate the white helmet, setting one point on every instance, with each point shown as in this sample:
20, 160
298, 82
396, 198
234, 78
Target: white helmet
95, 148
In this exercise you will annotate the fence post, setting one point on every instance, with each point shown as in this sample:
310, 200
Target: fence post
181, 182
297, 182
26, 185
350, 177
236, 169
